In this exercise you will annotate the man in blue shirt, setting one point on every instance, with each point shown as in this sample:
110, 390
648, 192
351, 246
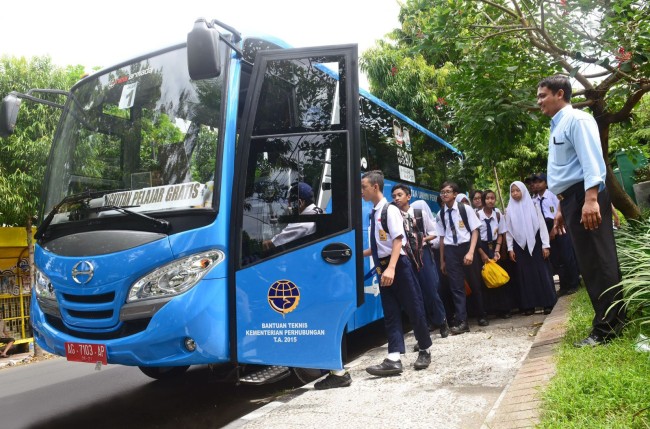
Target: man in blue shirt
576, 174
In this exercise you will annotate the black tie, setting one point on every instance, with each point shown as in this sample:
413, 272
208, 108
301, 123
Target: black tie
541, 206
453, 228
489, 230
373, 240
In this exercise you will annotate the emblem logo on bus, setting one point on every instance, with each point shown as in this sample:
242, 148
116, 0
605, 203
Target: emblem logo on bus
283, 296
82, 272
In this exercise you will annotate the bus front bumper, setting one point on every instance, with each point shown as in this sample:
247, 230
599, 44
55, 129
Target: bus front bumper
200, 314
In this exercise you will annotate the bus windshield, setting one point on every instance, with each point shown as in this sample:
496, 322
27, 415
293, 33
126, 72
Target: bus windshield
142, 136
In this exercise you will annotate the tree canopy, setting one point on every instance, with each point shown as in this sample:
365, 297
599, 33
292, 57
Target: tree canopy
494, 52
23, 156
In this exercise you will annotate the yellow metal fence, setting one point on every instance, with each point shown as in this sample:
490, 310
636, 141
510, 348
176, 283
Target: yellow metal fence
15, 299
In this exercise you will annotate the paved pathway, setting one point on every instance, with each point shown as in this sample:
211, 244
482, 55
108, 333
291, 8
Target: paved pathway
518, 406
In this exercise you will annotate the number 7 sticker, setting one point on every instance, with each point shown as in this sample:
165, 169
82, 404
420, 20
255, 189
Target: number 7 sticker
128, 95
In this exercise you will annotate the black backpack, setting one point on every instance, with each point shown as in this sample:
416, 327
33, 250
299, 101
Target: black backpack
414, 230
463, 216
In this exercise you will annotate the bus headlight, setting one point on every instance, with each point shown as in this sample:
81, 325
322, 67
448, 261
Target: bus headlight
175, 277
43, 285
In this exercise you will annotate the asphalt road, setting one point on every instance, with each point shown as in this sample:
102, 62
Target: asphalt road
55, 394
58, 394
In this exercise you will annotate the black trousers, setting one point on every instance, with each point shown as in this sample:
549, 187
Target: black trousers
404, 293
563, 259
457, 272
597, 260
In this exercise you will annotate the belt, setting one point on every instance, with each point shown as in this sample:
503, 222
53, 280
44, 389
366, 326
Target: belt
573, 189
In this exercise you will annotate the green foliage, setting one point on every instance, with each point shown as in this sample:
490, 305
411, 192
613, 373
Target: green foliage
23, 155
602, 387
642, 174
607, 386
633, 245
632, 135
496, 52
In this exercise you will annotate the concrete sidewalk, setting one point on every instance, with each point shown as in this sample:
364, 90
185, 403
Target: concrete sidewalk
518, 406
489, 378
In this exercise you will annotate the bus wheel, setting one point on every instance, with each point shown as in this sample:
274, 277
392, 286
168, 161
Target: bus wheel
163, 372
307, 375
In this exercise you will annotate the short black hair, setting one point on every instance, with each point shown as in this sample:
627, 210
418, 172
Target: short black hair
375, 177
403, 187
453, 185
556, 83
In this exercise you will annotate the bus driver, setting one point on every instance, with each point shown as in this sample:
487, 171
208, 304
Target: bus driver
301, 197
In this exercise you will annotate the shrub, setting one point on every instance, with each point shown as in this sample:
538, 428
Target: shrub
633, 244
642, 174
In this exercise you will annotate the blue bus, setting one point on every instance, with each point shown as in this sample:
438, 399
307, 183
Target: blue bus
169, 172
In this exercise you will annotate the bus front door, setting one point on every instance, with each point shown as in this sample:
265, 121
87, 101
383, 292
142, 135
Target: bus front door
297, 218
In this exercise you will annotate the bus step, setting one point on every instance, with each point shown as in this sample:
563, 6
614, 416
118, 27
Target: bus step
270, 374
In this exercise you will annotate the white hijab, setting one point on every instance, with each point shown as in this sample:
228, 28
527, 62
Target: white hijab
461, 197
521, 218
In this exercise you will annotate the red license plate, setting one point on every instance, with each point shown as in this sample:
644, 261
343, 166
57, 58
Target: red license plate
90, 353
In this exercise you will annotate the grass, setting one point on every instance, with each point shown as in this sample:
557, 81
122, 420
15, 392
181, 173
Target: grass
601, 387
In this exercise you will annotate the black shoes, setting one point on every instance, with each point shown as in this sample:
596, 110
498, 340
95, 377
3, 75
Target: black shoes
423, 360
444, 330
460, 329
592, 340
483, 322
547, 310
386, 368
333, 381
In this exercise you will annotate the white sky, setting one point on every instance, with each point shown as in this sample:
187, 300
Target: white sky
103, 33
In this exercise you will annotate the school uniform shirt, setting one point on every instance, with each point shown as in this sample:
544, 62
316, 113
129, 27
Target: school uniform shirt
294, 231
523, 221
463, 232
427, 219
548, 205
497, 224
395, 224
574, 151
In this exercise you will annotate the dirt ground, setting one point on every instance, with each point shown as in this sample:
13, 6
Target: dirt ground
467, 374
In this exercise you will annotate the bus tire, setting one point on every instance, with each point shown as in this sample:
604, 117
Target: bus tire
163, 372
307, 375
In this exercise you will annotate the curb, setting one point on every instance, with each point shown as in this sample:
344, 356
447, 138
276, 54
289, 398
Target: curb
518, 405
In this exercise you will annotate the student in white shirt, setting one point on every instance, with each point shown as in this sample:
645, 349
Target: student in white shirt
562, 257
491, 243
399, 288
428, 274
457, 251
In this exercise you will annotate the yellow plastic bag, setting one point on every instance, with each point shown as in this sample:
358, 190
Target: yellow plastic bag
493, 275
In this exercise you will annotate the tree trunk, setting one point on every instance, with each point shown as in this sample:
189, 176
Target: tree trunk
38, 352
620, 198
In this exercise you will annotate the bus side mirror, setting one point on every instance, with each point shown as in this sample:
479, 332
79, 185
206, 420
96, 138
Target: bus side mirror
9, 115
203, 59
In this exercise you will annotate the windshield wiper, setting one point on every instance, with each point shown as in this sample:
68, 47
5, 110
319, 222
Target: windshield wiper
161, 224
74, 198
